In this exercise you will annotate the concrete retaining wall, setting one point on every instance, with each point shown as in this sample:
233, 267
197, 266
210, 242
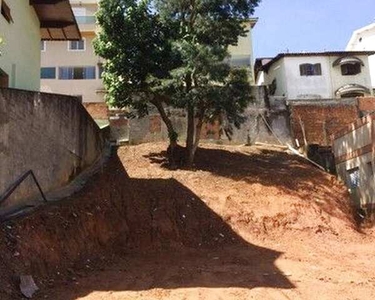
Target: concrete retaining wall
151, 128
354, 151
52, 135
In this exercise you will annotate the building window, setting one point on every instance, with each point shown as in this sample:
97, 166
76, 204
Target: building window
350, 69
48, 73
76, 73
77, 45
353, 177
43, 46
310, 69
5, 12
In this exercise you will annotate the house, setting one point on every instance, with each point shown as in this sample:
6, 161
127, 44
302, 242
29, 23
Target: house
354, 152
316, 75
71, 67
363, 39
242, 53
23, 24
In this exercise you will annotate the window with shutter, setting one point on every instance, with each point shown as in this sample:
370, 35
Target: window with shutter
310, 69
350, 69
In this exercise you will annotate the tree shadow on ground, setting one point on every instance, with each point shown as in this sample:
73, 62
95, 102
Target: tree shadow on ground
273, 168
172, 240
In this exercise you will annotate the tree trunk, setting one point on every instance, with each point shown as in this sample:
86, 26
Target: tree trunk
198, 131
172, 134
195, 131
190, 136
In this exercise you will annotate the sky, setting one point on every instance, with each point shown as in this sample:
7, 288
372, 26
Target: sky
308, 25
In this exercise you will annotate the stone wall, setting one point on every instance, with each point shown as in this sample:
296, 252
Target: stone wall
52, 135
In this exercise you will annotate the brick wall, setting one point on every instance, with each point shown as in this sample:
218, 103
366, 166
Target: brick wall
366, 104
97, 110
320, 121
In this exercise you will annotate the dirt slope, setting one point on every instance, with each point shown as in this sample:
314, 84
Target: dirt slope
246, 223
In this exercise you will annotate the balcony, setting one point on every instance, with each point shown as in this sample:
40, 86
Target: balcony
86, 23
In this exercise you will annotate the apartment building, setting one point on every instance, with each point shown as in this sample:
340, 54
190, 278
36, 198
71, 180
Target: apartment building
71, 67
23, 24
241, 55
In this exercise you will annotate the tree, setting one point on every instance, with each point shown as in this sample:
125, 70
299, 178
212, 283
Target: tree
138, 52
175, 53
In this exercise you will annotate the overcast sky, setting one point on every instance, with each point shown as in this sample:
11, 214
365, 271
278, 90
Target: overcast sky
308, 25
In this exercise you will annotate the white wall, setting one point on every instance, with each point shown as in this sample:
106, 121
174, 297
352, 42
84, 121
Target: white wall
292, 85
307, 85
21, 49
353, 140
350, 142
363, 78
278, 71
244, 51
364, 40
57, 55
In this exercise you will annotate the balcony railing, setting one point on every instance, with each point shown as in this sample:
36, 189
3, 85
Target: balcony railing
86, 19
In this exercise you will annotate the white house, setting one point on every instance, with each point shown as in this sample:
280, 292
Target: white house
363, 39
317, 75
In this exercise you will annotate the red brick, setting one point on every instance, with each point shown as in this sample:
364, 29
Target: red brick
317, 117
366, 104
97, 110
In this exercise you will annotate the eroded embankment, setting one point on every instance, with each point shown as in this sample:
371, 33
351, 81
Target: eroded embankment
112, 214
229, 193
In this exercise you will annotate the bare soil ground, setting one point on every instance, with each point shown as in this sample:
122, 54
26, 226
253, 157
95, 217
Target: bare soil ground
246, 223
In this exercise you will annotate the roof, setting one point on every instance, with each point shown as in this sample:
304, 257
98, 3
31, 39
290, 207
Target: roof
307, 54
57, 21
253, 21
260, 63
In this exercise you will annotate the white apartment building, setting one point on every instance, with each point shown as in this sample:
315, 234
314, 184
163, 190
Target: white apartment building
71, 67
363, 39
23, 24
321, 75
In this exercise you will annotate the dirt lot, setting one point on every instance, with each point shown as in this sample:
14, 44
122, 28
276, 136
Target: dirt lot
247, 223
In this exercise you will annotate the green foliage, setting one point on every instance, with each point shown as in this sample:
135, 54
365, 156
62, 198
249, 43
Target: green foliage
135, 45
175, 50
